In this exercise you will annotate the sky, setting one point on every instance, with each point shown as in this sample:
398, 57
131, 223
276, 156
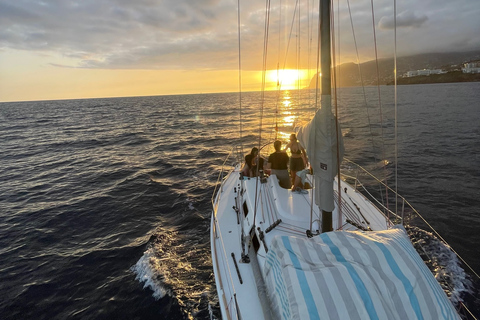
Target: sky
66, 49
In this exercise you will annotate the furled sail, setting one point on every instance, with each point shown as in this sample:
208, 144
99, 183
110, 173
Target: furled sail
320, 141
352, 275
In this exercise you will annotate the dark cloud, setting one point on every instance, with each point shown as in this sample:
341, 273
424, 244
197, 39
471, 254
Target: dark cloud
115, 33
404, 19
180, 34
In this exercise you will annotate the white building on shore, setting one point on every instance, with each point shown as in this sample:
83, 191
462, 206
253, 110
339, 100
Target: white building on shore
471, 67
424, 72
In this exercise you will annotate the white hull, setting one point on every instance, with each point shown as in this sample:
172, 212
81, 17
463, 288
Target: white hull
274, 203
245, 287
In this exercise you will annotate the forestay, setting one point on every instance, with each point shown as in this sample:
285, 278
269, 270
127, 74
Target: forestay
352, 275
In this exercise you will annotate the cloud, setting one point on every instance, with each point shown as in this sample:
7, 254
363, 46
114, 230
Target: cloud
405, 19
185, 34
117, 33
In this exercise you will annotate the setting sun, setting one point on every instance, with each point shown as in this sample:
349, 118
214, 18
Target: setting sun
287, 79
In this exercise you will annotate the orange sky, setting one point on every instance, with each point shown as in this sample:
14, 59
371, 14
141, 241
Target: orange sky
37, 80
30, 76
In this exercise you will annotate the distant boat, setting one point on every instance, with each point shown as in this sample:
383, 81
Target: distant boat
327, 252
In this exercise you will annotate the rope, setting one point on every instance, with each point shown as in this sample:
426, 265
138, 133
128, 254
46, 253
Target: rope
363, 84
278, 70
298, 52
335, 92
265, 47
395, 99
361, 80
313, 157
240, 75
349, 212
272, 207
379, 105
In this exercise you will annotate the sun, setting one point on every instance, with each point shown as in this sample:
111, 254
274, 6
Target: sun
287, 79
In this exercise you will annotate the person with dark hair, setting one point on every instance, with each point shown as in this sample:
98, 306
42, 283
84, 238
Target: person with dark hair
298, 160
253, 163
278, 162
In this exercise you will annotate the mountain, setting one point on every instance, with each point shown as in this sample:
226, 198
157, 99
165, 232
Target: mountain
348, 73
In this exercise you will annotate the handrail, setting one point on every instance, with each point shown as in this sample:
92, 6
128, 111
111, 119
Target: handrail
220, 178
216, 194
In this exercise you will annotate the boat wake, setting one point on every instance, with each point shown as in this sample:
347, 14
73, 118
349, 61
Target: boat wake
177, 270
444, 264
176, 266
151, 267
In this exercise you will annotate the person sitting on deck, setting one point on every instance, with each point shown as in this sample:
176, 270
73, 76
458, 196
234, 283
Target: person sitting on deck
253, 163
278, 162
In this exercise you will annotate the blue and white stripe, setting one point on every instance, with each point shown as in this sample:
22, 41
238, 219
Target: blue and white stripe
352, 275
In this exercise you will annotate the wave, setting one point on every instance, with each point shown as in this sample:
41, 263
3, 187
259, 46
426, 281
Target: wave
146, 270
443, 263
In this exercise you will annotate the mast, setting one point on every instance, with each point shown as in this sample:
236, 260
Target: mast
325, 53
326, 108
322, 137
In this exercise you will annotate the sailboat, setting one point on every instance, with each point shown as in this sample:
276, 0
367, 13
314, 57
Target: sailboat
328, 252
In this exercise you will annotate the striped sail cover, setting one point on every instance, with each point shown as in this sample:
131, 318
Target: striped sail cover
352, 275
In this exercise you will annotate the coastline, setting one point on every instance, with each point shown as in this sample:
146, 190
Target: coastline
449, 77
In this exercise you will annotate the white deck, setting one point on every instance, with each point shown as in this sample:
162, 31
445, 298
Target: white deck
273, 203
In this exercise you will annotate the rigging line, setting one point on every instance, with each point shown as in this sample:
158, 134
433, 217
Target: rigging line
309, 49
290, 231
288, 45
363, 88
289, 38
334, 78
349, 212
309, 45
318, 61
317, 76
264, 67
298, 50
395, 99
279, 41
273, 207
280, 81
380, 104
240, 76
291, 227
299, 53
361, 78
265, 47
270, 205
278, 68
225, 266
277, 96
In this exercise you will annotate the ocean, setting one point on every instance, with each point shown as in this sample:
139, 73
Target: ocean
105, 204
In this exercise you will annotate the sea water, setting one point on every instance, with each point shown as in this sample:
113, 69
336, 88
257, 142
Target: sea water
105, 204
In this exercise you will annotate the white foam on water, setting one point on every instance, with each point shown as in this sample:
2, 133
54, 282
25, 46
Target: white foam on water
190, 204
145, 270
445, 266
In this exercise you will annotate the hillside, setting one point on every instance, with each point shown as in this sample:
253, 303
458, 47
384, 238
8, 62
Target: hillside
348, 73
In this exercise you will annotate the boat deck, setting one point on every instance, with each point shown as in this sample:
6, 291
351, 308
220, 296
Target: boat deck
278, 212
